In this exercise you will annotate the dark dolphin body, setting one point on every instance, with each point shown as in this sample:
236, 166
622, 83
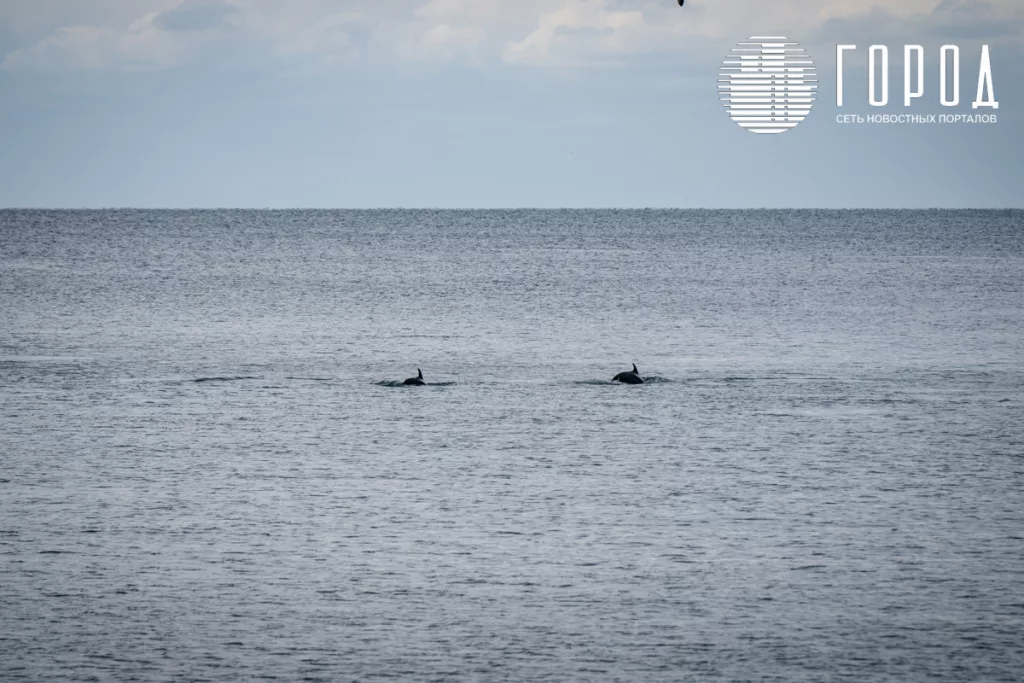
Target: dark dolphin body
629, 377
416, 381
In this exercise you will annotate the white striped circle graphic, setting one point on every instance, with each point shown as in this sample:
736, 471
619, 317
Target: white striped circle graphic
768, 84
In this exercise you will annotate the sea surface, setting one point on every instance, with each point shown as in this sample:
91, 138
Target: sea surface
210, 471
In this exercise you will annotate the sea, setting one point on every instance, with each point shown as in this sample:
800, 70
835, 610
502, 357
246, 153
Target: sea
210, 469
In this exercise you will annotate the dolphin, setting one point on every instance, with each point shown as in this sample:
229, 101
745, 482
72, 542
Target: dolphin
629, 377
416, 381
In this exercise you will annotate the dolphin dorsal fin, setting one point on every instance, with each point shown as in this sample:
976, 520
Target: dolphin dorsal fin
635, 371
419, 373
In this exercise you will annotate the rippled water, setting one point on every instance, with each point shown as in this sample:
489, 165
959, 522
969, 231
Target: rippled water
210, 470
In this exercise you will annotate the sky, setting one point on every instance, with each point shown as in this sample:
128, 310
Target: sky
487, 104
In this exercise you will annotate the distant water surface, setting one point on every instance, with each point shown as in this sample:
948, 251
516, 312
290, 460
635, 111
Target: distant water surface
210, 471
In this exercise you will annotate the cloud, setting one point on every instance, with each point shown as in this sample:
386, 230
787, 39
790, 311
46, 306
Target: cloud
196, 15
542, 33
578, 31
949, 20
90, 48
73, 48
333, 40
442, 31
28, 21
524, 33
447, 42
475, 11
158, 40
586, 32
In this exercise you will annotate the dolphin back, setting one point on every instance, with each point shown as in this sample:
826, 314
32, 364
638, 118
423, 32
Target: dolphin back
629, 377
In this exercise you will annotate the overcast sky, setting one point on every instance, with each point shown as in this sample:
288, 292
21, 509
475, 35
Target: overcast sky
484, 103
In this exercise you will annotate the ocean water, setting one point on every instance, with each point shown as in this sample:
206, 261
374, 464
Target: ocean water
210, 471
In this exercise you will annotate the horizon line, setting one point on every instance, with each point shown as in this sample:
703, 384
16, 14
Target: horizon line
513, 208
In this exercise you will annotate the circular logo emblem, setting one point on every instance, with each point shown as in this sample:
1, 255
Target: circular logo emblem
767, 84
